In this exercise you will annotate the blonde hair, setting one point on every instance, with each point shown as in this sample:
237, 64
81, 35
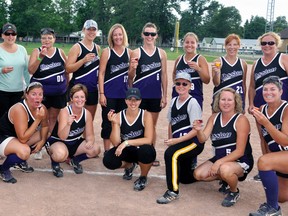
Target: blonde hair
231, 37
237, 99
272, 34
191, 34
110, 35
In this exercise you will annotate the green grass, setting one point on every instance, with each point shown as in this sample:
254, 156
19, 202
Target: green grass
210, 56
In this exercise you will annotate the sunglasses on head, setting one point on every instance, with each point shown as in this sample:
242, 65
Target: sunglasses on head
153, 34
33, 84
10, 33
270, 43
183, 84
47, 31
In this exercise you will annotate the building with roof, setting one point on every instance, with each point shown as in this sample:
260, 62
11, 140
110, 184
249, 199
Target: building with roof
284, 37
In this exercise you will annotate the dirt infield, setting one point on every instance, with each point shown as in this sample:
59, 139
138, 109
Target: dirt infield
102, 192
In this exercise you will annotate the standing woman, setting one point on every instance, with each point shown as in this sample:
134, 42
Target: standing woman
272, 121
229, 131
47, 66
272, 63
229, 70
148, 72
183, 145
83, 62
113, 77
13, 68
19, 130
194, 64
73, 134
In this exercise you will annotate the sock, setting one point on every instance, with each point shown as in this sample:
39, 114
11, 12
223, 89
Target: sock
53, 163
270, 183
10, 161
80, 157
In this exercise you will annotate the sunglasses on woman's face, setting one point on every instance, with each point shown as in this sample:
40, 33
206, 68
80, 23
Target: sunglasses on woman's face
270, 43
181, 83
153, 34
10, 33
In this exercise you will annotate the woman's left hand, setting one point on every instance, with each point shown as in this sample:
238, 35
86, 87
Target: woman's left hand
169, 142
214, 169
119, 149
37, 147
89, 145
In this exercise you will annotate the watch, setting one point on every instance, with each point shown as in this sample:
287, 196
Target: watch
126, 143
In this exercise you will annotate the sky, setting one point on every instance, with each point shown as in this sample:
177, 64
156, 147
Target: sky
248, 8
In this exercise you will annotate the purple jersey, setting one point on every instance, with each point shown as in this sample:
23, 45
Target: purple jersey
196, 83
51, 74
148, 74
116, 74
87, 74
261, 71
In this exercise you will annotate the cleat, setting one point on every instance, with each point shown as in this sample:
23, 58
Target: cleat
168, 197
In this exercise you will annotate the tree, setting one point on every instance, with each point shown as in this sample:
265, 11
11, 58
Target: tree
255, 27
192, 17
227, 20
30, 16
280, 24
3, 12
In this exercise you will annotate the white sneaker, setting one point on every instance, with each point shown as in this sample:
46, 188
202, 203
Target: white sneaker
38, 155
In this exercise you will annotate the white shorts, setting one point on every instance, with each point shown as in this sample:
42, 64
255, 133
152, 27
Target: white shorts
4, 144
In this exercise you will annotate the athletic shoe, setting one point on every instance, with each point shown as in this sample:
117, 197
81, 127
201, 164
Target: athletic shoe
266, 210
168, 197
38, 155
128, 172
57, 171
224, 188
257, 177
76, 166
24, 167
140, 183
7, 176
231, 198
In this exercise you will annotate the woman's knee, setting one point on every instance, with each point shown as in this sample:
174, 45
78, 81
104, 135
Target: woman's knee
59, 154
111, 162
24, 152
94, 152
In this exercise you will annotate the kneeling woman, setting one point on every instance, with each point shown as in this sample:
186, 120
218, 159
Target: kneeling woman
229, 131
74, 122
22, 128
183, 145
132, 135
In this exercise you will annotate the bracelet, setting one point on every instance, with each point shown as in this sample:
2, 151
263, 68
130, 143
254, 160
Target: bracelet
39, 59
126, 143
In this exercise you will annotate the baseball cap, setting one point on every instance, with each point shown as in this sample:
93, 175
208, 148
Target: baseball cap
90, 24
8, 26
183, 75
133, 92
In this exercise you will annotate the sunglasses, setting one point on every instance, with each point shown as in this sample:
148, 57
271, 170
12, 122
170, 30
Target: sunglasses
10, 33
47, 31
270, 43
153, 34
272, 79
183, 84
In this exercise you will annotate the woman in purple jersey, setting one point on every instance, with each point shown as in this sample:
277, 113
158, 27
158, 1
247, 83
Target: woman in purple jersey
47, 66
83, 63
194, 64
148, 72
272, 120
272, 63
229, 70
113, 77
229, 131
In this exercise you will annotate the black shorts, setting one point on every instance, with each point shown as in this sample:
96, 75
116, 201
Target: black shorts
246, 162
283, 175
55, 101
72, 147
92, 98
151, 105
